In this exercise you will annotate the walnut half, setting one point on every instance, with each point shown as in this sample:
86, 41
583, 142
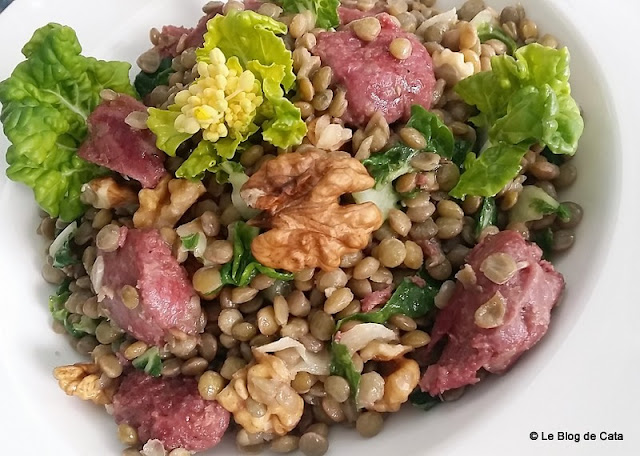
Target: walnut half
106, 193
300, 193
163, 206
83, 380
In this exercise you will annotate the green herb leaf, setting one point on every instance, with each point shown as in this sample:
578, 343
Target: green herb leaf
342, 365
488, 32
77, 326
439, 137
544, 239
533, 204
394, 162
244, 267
190, 242
85, 326
146, 82
61, 250
45, 105
488, 174
326, 11
387, 166
422, 400
486, 215
545, 208
413, 298
150, 362
461, 148
57, 301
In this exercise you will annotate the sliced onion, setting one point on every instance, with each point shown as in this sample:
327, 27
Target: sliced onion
314, 363
359, 336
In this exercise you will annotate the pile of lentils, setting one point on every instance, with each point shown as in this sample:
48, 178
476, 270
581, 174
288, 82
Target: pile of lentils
243, 317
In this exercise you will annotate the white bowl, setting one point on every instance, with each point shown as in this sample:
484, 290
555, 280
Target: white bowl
29, 350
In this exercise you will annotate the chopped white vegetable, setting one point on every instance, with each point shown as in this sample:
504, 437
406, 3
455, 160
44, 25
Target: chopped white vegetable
63, 237
359, 336
486, 16
447, 18
524, 211
314, 363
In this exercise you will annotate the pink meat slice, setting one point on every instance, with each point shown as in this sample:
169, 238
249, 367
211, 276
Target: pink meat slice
375, 80
168, 40
529, 295
375, 298
170, 410
112, 143
166, 297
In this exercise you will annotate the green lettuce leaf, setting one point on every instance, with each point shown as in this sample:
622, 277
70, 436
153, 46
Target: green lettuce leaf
487, 31
535, 115
342, 365
146, 82
149, 362
461, 147
413, 298
203, 158
527, 99
439, 137
489, 173
486, 215
244, 267
282, 123
249, 36
162, 123
485, 91
326, 11
45, 105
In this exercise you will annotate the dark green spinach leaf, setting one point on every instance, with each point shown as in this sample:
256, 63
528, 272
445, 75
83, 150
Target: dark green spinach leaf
244, 266
146, 82
413, 298
342, 365
486, 215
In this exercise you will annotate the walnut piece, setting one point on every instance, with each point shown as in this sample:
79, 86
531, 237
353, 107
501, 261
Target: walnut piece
382, 351
163, 206
106, 193
398, 385
268, 382
83, 380
300, 193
